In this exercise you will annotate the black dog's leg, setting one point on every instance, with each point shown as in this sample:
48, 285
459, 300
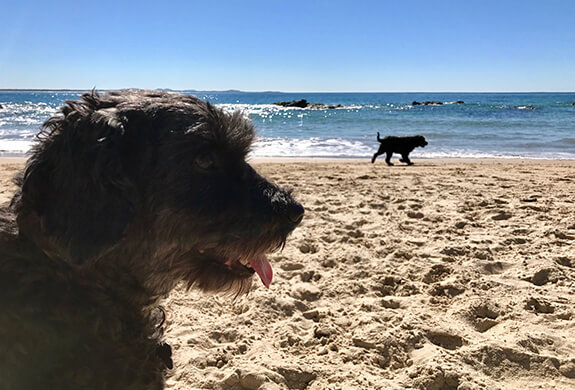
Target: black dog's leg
405, 159
375, 156
379, 152
388, 158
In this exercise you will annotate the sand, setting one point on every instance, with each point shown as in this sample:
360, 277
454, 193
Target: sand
450, 274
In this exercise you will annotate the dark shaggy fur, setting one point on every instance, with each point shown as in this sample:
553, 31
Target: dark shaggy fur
126, 195
400, 145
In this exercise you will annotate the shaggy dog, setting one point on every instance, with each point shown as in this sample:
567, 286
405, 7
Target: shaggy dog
126, 195
400, 145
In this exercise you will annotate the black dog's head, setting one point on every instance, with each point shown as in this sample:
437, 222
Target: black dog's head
420, 141
159, 183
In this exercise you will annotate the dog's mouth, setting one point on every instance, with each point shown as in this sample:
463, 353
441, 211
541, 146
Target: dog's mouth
259, 264
242, 265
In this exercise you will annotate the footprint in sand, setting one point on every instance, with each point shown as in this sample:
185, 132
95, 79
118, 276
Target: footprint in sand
436, 377
512, 362
502, 216
437, 273
494, 267
539, 305
445, 339
563, 236
305, 292
565, 261
227, 336
544, 276
460, 224
308, 247
483, 316
448, 290
455, 251
415, 214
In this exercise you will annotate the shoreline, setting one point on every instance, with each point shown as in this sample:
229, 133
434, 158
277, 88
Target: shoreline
422, 161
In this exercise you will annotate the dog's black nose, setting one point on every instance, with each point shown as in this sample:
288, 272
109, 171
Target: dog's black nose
295, 212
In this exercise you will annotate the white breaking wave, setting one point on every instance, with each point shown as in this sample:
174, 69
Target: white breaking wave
336, 147
15, 146
310, 147
315, 147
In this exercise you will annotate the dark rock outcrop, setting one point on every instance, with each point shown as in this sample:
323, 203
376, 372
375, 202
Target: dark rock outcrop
294, 103
302, 103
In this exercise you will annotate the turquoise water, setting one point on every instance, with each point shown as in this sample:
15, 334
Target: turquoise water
537, 125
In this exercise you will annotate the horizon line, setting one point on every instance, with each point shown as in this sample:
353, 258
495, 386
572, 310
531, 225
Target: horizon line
265, 91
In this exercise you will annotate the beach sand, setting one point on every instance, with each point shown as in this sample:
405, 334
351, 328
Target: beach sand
449, 274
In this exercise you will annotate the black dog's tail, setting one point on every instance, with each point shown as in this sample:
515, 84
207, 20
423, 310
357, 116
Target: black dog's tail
379, 139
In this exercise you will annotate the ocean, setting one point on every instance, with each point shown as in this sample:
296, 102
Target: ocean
529, 125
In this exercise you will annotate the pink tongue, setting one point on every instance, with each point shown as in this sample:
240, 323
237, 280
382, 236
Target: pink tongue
264, 270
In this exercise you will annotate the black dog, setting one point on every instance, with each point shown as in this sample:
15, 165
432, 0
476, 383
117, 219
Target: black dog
126, 195
400, 145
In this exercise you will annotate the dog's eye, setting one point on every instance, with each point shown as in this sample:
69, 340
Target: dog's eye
205, 161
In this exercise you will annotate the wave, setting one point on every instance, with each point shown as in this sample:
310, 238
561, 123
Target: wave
16, 147
338, 147
23, 120
28, 108
567, 140
310, 147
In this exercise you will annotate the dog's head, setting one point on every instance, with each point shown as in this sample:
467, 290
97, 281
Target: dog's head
420, 141
158, 181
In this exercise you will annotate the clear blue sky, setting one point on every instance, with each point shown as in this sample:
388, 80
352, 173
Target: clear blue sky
289, 45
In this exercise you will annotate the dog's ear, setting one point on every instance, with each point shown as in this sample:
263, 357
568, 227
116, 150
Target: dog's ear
76, 199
